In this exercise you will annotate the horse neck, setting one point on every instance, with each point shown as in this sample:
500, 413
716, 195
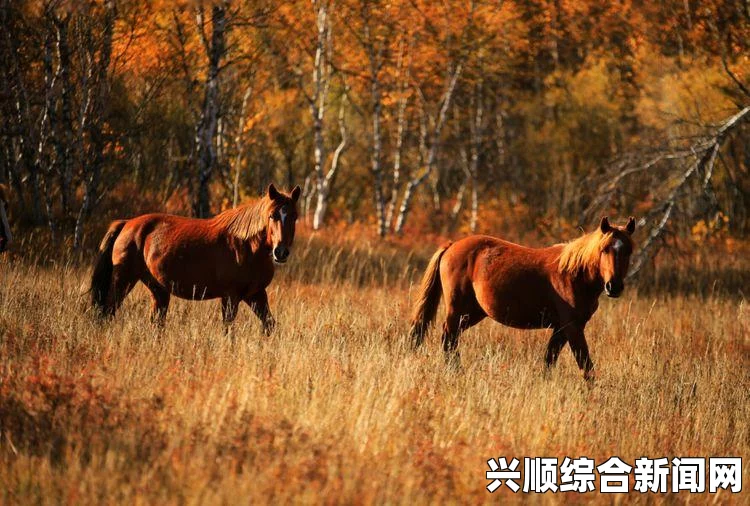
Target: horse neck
583, 281
257, 239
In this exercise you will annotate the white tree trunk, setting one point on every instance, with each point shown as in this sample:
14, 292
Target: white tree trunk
320, 208
400, 130
429, 165
474, 205
374, 49
207, 126
64, 141
239, 146
322, 73
100, 89
459, 205
317, 109
308, 192
477, 133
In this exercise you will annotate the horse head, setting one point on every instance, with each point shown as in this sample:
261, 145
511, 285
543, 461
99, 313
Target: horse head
615, 255
281, 222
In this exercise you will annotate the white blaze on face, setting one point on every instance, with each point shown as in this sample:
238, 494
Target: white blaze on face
5, 225
283, 213
617, 246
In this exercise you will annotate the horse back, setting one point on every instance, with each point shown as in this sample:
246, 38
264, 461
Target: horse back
513, 284
190, 257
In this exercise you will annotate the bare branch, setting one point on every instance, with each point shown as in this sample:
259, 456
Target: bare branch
705, 153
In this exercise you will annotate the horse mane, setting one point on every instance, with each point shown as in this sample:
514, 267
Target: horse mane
582, 254
248, 221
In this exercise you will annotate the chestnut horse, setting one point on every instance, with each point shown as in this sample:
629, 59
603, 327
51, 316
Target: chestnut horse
5, 235
556, 287
230, 256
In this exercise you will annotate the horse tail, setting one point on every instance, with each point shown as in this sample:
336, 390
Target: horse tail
429, 297
101, 279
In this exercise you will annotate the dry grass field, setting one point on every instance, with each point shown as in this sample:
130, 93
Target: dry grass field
334, 407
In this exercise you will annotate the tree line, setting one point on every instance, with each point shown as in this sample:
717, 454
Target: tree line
544, 110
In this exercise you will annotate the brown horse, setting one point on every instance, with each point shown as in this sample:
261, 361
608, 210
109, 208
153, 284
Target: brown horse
230, 256
556, 287
5, 235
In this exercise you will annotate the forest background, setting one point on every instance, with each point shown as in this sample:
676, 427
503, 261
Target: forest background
400, 119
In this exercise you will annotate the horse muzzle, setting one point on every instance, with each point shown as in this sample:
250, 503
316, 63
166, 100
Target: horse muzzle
614, 288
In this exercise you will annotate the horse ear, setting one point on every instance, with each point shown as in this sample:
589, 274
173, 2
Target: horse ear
273, 193
295, 193
604, 225
630, 227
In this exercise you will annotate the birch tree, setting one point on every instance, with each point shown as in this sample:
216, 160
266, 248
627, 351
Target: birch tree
48, 123
239, 146
476, 134
434, 144
451, 38
403, 76
322, 75
22, 145
684, 172
63, 138
373, 35
205, 131
95, 104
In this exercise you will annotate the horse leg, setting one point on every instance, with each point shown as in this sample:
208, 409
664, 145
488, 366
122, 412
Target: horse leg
554, 347
464, 312
229, 307
159, 304
451, 330
455, 323
580, 349
258, 302
122, 283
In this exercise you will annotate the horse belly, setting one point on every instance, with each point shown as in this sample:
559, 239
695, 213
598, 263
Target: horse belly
195, 291
517, 300
212, 277
523, 316
187, 285
187, 272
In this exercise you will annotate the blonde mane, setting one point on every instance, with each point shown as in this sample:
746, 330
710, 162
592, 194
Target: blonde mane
248, 221
582, 254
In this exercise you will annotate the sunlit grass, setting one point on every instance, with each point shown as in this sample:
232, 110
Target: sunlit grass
335, 405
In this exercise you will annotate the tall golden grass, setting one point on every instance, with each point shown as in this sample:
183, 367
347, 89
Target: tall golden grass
334, 407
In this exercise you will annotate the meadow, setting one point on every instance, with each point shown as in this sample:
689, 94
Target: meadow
334, 407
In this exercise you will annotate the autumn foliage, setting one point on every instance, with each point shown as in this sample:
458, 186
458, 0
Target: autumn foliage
377, 108
406, 122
